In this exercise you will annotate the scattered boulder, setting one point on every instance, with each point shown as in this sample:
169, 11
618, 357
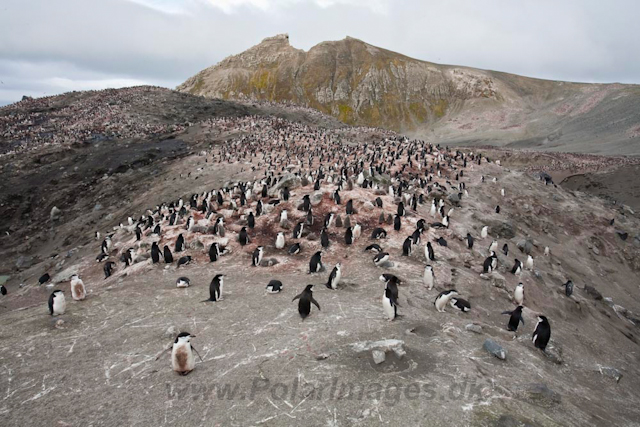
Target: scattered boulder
610, 372
592, 292
540, 395
290, 180
503, 229
378, 356
24, 262
495, 349
316, 198
526, 246
474, 327
55, 213
454, 199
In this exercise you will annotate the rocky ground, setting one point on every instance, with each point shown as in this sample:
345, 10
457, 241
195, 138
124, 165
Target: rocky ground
103, 359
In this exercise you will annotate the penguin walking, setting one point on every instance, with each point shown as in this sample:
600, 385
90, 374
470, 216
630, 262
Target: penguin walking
390, 299
315, 263
324, 239
428, 252
515, 319
334, 277
461, 304
443, 299
381, 259
183, 282
78, 292
108, 269
280, 240
57, 303
518, 294
168, 258
182, 359
517, 267
568, 288
505, 249
256, 258
180, 243
306, 299
529, 262
470, 241
215, 288
244, 237
542, 333
155, 253
274, 286
429, 278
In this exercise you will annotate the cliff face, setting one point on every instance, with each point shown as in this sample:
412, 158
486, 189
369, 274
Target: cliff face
365, 85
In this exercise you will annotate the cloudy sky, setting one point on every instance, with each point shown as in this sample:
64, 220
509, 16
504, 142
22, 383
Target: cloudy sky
54, 46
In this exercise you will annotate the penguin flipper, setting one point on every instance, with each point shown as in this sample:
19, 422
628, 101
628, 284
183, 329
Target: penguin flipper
194, 349
507, 312
315, 303
522, 320
296, 297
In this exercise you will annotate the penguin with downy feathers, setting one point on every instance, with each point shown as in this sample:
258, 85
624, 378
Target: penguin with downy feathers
215, 288
518, 294
280, 241
57, 303
429, 277
78, 292
315, 263
274, 286
515, 319
443, 299
256, 258
349, 209
334, 277
306, 299
108, 269
168, 257
182, 359
243, 237
295, 249
542, 333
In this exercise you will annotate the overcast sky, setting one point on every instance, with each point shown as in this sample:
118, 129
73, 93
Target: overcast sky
54, 46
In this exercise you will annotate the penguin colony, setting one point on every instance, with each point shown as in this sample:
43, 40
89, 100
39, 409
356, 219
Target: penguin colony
422, 184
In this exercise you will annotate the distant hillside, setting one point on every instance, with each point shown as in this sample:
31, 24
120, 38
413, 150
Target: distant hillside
362, 84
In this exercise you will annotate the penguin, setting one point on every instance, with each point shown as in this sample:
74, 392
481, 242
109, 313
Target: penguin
515, 319
542, 333
428, 278
106, 245
428, 252
297, 230
108, 269
294, 249
315, 263
484, 232
168, 258
357, 231
348, 236
138, 234
182, 359
401, 210
378, 233
390, 300
349, 209
378, 202
214, 252
259, 208
498, 209
324, 238
286, 194
470, 241
184, 261
568, 288
243, 237
406, 246
381, 259
190, 223
283, 218
3, 290
215, 288
102, 257
385, 277
218, 227
78, 292
44, 279
493, 246
490, 263
280, 240
334, 277
57, 303
441, 241
443, 299
274, 286
517, 267
505, 249
529, 262
328, 220
373, 248
461, 304
256, 258
251, 220
155, 253
306, 203
180, 243
183, 282
518, 294
397, 224
546, 251
306, 299
415, 237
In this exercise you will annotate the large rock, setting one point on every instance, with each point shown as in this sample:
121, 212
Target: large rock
24, 262
316, 198
494, 348
540, 395
611, 373
454, 199
290, 180
526, 246
504, 230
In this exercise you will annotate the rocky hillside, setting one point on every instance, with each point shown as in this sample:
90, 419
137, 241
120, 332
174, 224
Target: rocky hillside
365, 85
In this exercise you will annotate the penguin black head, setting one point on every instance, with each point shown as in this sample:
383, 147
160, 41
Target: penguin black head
184, 336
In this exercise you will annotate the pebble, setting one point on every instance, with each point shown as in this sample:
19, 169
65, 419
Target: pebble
379, 356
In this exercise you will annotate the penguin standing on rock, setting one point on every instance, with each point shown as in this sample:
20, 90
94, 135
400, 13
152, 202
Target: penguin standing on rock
297, 230
280, 240
348, 236
214, 252
406, 246
490, 263
518, 294
180, 243
517, 267
470, 240
306, 299
428, 252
